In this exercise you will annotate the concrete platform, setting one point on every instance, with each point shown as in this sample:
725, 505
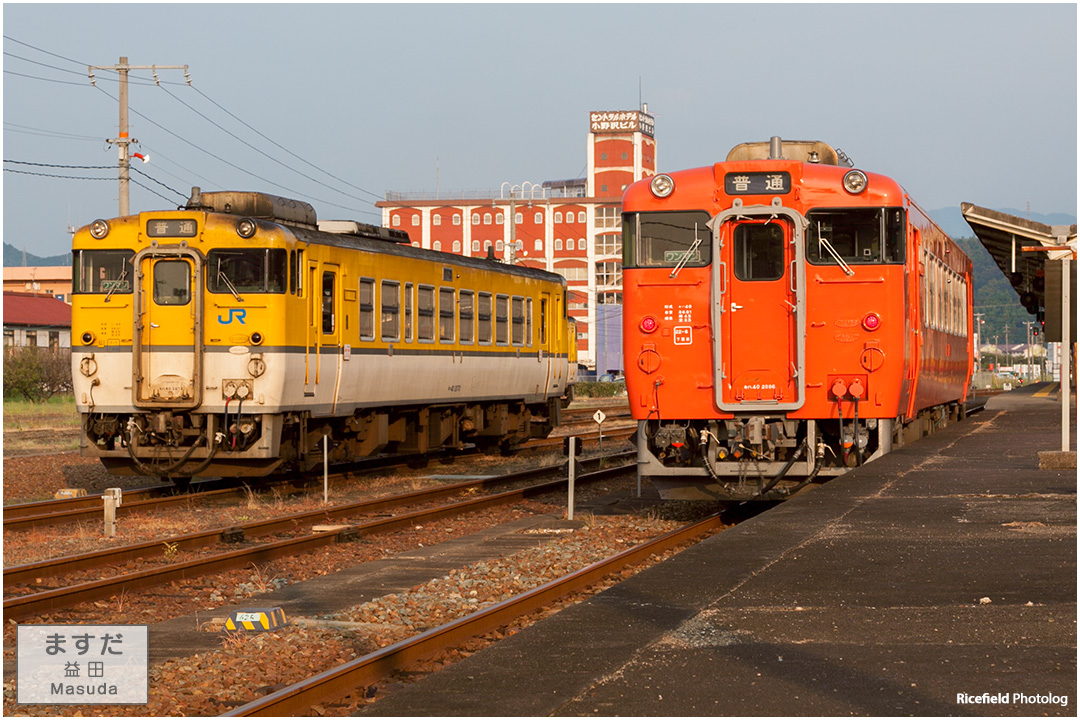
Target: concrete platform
947, 568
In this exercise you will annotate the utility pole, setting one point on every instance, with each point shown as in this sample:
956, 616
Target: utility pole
123, 141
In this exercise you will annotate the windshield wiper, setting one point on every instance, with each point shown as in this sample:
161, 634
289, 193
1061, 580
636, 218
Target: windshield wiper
836, 256
228, 284
688, 255
123, 274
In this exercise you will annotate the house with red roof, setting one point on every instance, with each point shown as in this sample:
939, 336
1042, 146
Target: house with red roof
36, 321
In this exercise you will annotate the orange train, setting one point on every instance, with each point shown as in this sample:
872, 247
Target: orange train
786, 316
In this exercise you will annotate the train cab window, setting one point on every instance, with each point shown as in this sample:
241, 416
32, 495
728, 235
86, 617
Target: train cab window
328, 314
247, 271
517, 321
502, 320
425, 313
296, 271
465, 316
172, 282
408, 312
446, 315
102, 271
391, 310
856, 236
759, 251
483, 318
666, 239
366, 320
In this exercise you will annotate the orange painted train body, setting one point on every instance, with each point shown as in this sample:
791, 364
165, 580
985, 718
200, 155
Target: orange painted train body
785, 313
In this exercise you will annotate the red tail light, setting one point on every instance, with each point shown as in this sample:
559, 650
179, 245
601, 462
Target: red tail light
648, 324
871, 322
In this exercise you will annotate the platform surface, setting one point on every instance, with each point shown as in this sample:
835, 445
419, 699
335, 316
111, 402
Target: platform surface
938, 580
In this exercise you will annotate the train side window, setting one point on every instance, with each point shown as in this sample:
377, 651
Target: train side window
517, 321
366, 320
390, 296
172, 282
408, 311
296, 271
543, 321
502, 320
328, 313
529, 322
292, 272
465, 316
425, 313
446, 315
483, 318
759, 251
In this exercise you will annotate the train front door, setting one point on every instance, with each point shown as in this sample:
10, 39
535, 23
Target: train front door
168, 329
758, 309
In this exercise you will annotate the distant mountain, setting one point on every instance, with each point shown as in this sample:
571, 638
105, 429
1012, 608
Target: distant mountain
13, 257
952, 220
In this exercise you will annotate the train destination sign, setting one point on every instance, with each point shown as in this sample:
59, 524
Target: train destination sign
172, 228
757, 183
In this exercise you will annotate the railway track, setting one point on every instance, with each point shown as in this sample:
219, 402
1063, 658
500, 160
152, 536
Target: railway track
27, 516
346, 679
37, 603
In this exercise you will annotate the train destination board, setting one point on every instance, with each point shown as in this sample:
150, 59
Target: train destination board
757, 183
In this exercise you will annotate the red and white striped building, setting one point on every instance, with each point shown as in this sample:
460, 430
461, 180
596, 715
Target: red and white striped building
571, 227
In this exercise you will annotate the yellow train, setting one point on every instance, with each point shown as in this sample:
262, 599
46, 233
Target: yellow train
239, 335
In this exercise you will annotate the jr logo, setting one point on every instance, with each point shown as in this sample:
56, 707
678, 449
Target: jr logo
234, 314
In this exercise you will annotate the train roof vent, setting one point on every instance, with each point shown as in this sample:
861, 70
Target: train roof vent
359, 229
254, 205
809, 151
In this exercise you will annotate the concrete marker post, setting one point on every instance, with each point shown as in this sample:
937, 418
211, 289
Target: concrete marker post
112, 498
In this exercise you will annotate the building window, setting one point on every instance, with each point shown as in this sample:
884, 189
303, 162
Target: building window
396, 220
625, 156
457, 219
603, 188
573, 272
608, 218
539, 245
416, 220
436, 219
31, 338
476, 246
569, 243
487, 244
498, 246
518, 219
608, 273
498, 218
487, 218
609, 245
538, 218
558, 217
476, 219
581, 216
558, 243
436, 246
457, 246
603, 156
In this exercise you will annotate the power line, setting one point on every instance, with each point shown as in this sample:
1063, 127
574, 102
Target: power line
48, 133
64, 177
35, 77
159, 183
66, 167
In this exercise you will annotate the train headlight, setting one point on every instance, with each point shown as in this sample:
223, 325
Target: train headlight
88, 338
99, 229
245, 228
256, 338
871, 322
648, 324
662, 186
855, 181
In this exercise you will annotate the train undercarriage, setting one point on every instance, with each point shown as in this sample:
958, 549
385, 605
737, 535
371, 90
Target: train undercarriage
759, 457
175, 446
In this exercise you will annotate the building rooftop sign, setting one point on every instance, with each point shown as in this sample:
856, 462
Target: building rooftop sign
620, 121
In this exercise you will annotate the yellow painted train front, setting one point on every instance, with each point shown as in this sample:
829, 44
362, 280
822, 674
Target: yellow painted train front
239, 335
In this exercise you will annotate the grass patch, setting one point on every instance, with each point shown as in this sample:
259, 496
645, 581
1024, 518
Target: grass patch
57, 413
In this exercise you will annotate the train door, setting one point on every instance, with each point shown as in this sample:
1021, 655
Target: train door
759, 309
547, 336
167, 353
312, 335
330, 321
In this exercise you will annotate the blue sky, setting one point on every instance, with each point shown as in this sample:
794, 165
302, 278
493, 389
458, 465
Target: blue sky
959, 103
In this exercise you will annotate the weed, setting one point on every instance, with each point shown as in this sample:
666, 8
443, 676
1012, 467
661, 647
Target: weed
171, 550
261, 578
588, 518
120, 600
233, 640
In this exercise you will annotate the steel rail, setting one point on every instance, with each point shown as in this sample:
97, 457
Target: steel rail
30, 572
61, 598
297, 699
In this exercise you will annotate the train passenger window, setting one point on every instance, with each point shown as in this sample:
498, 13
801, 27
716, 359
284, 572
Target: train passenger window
172, 282
502, 320
408, 312
233, 271
856, 235
483, 318
666, 239
446, 315
102, 271
543, 321
391, 306
759, 251
465, 316
528, 322
366, 321
425, 312
517, 321
328, 313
